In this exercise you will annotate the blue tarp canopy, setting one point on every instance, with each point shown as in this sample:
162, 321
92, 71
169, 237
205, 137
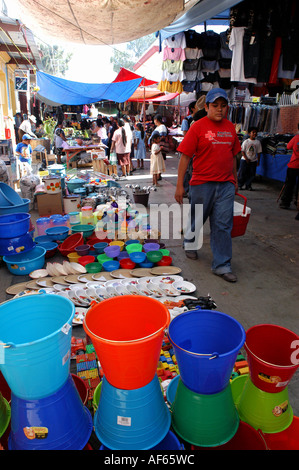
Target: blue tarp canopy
63, 91
202, 11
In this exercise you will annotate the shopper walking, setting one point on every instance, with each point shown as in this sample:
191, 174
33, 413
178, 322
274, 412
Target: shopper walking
251, 154
213, 143
120, 145
292, 173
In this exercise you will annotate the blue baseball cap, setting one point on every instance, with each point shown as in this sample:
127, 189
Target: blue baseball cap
215, 93
26, 137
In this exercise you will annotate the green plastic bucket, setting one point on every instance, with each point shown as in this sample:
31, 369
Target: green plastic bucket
204, 420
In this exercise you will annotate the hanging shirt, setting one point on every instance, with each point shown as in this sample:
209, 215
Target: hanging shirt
171, 87
193, 53
172, 66
173, 53
237, 64
172, 77
176, 40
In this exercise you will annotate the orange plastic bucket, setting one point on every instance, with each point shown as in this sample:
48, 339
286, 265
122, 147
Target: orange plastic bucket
127, 334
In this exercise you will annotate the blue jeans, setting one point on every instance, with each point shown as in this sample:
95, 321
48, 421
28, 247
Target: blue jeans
218, 205
246, 173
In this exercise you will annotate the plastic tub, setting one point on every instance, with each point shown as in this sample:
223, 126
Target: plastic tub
8, 196
52, 422
127, 263
74, 217
82, 250
99, 247
269, 353
42, 239
151, 247
57, 233
165, 261
23, 207
103, 257
51, 248
206, 345
37, 329
119, 243
134, 247
14, 225
73, 257
70, 243
93, 267
284, 440
42, 224
123, 255
112, 251
135, 419
24, 263
83, 260
154, 256
110, 265
137, 256
125, 328
14, 246
87, 230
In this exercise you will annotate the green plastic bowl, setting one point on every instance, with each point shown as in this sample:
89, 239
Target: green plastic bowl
164, 251
87, 230
102, 258
154, 256
93, 267
134, 247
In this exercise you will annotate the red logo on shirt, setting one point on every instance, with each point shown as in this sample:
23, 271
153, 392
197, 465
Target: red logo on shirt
210, 135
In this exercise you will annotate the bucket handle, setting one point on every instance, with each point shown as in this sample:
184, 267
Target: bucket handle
213, 355
245, 202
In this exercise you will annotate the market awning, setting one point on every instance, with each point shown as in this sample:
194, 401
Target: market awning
125, 74
69, 92
198, 14
154, 96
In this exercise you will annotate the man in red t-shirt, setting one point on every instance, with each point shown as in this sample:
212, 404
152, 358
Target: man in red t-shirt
292, 173
213, 143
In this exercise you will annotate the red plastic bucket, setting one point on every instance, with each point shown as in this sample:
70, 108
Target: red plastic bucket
81, 388
127, 334
271, 356
246, 438
240, 219
284, 440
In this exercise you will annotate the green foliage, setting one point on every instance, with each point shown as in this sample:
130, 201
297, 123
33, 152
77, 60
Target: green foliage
54, 59
133, 52
49, 127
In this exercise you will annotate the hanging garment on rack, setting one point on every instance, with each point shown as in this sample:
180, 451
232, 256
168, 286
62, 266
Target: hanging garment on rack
171, 87
266, 56
172, 66
192, 85
193, 39
275, 61
173, 77
177, 40
173, 53
237, 65
251, 51
281, 73
208, 65
193, 53
225, 52
211, 45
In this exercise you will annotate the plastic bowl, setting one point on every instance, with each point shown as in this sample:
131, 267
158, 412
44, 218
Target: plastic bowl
93, 267
25, 263
82, 250
57, 233
165, 261
151, 247
103, 257
119, 243
24, 207
151, 240
134, 247
84, 260
73, 257
42, 239
137, 256
129, 242
13, 246
123, 255
8, 196
111, 265
51, 248
70, 243
127, 263
87, 230
154, 256
112, 251
14, 225
99, 247
164, 251
146, 264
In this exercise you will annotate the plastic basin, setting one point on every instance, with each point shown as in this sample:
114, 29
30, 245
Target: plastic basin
24, 207
25, 263
8, 196
14, 225
57, 233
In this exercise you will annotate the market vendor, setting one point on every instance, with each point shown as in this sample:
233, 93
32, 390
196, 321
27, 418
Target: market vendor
59, 140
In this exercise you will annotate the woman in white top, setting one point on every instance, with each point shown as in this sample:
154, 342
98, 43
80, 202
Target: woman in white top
119, 145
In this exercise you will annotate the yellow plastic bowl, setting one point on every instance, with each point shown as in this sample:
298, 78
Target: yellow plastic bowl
73, 257
120, 243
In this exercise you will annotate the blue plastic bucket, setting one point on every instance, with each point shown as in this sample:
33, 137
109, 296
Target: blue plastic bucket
170, 442
57, 422
35, 344
132, 419
23, 207
206, 345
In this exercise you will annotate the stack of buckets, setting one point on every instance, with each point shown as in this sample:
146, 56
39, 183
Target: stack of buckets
206, 345
263, 400
127, 333
47, 412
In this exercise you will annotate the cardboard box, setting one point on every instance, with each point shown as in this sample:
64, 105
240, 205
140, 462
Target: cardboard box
49, 204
